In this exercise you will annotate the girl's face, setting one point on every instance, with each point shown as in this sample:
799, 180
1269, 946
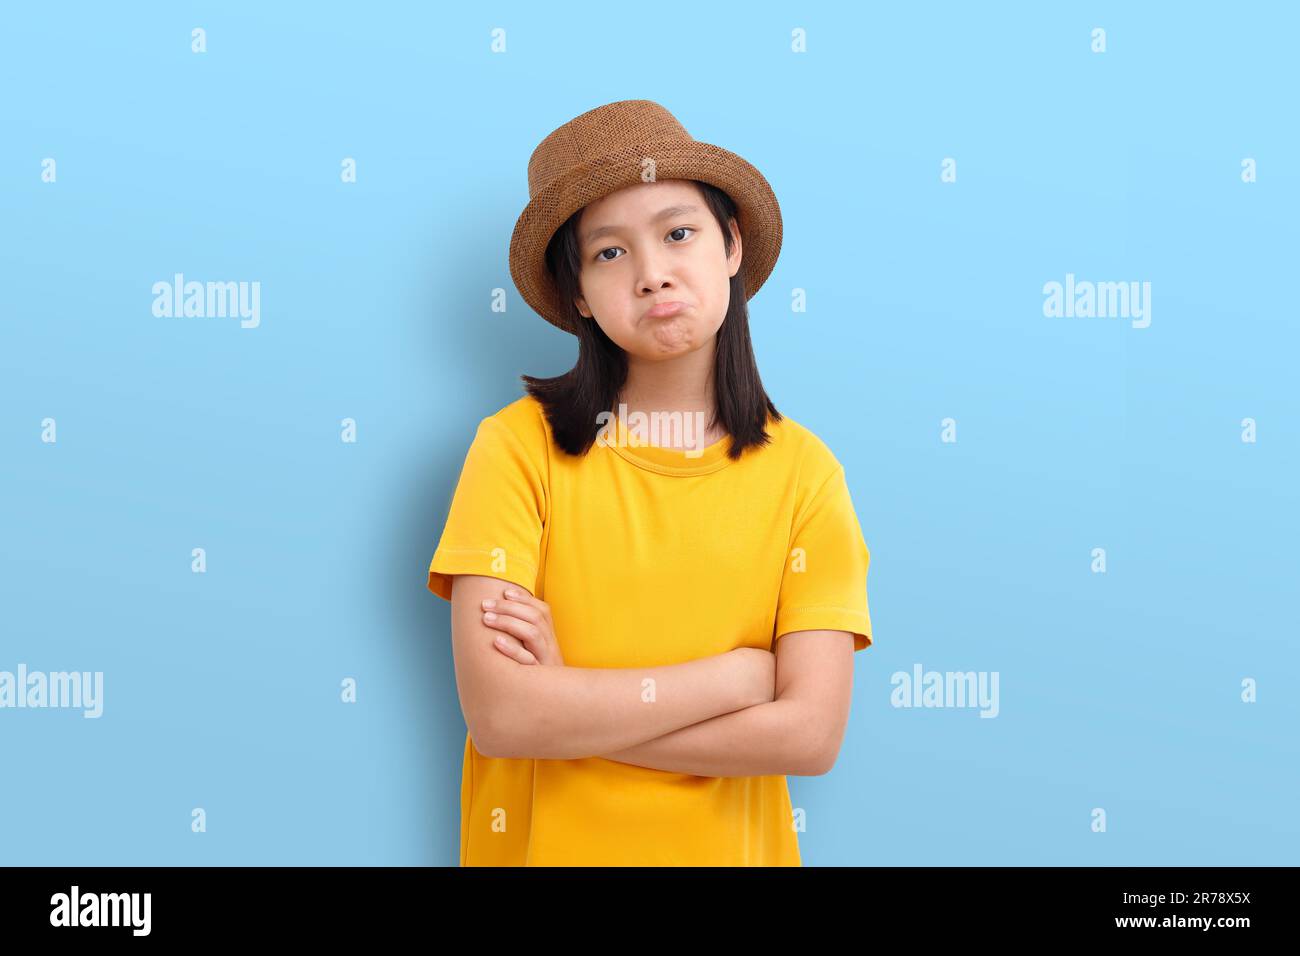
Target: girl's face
649, 245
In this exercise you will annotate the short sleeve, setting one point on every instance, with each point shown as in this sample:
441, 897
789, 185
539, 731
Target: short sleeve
824, 584
495, 522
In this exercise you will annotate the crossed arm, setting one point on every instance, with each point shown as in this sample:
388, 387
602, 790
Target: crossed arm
743, 713
798, 732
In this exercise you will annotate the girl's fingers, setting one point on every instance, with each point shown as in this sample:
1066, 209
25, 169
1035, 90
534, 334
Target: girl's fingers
512, 593
518, 594
525, 612
512, 649
524, 631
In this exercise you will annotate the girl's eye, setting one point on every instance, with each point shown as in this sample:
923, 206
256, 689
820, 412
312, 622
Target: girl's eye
601, 257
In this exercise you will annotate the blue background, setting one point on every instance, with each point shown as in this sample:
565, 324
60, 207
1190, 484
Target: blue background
1118, 690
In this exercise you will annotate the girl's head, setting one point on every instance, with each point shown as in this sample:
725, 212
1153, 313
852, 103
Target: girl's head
649, 244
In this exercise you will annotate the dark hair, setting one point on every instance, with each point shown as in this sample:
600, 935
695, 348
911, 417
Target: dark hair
573, 401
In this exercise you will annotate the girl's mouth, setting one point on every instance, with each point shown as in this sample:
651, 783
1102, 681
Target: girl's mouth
664, 309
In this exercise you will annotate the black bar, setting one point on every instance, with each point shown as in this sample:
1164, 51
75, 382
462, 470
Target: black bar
336, 904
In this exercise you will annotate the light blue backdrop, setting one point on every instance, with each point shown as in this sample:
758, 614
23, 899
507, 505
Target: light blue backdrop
1120, 691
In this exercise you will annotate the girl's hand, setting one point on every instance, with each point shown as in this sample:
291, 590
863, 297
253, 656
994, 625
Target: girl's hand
528, 636
756, 675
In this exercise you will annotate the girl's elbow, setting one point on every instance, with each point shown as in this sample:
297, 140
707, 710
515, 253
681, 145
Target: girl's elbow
812, 763
825, 761
510, 734
492, 734
817, 759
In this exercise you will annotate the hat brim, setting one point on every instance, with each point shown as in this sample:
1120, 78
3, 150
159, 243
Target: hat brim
758, 213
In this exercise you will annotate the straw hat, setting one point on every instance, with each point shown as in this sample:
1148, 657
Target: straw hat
606, 149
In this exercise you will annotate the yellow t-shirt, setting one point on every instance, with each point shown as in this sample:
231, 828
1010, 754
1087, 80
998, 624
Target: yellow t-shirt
647, 556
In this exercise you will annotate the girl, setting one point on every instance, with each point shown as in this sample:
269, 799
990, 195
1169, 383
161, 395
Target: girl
657, 581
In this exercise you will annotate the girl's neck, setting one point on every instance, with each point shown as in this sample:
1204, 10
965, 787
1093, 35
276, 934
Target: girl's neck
679, 387
684, 384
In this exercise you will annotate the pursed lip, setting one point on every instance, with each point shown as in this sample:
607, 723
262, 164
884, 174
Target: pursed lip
664, 309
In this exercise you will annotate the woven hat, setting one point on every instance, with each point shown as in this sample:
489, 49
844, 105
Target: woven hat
606, 149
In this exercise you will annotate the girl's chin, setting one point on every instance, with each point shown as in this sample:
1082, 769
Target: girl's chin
671, 335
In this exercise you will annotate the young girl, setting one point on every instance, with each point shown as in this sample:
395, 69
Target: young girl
657, 581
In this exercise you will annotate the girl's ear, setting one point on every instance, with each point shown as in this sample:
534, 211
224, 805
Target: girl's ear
581, 304
737, 251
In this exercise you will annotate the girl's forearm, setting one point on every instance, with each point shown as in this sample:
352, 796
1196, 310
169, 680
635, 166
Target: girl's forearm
565, 713
757, 741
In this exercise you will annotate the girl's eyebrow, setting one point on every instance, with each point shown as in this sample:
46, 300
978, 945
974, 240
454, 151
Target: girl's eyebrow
667, 212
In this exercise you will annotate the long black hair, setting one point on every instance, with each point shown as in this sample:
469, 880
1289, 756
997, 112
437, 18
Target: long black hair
573, 401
